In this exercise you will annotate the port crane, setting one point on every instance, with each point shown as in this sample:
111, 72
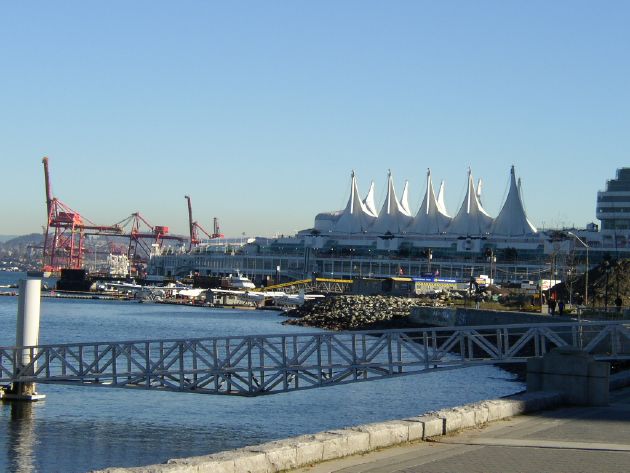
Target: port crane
66, 229
64, 235
195, 228
143, 237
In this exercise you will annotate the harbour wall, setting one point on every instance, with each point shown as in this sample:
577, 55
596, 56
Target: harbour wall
451, 316
360, 312
307, 450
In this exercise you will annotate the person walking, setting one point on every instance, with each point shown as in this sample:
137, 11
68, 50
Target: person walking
560, 307
552, 306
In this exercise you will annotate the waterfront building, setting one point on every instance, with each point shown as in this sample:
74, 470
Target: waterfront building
432, 217
358, 241
394, 216
471, 219
613, 210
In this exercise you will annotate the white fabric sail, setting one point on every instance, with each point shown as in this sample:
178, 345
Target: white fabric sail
512, 220
440, 201
404, 200
471, 219
355, 218
369, 201
430, 219
392, 218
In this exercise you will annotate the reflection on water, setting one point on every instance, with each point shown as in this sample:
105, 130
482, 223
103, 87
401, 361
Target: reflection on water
77, 429
22, 439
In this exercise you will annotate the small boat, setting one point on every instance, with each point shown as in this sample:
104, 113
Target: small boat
238, 282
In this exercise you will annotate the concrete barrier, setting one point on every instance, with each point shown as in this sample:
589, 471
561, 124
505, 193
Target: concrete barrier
385, 434
432, 425
574, 372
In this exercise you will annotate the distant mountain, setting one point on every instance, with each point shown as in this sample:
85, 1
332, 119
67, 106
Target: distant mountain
23, 240
4, 238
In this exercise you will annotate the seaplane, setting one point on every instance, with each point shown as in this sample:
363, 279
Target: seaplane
148, 292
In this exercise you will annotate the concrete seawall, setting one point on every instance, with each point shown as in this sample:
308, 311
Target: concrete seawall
451, 316
306, 450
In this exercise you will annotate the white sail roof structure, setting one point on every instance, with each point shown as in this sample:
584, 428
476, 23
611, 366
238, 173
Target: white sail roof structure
404, 200
355, 218
512, 220
430, 219
392, 218
440, 201
471, 219
369, 201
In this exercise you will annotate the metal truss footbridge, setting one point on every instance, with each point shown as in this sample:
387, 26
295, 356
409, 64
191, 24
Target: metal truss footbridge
267, 364
323, 285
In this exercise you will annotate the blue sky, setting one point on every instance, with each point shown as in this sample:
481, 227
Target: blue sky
260, 110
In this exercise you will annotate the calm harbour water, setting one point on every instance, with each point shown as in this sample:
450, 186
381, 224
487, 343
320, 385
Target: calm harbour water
77, 429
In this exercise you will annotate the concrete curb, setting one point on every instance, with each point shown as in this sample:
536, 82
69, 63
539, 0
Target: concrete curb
306, 450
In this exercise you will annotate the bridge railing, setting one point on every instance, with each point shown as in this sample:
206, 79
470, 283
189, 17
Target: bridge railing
265, 364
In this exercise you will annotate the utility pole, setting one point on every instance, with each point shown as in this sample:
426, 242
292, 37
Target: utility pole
586, 270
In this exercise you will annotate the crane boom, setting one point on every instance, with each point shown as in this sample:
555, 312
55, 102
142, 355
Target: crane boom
196, 229
49, 197
191, 224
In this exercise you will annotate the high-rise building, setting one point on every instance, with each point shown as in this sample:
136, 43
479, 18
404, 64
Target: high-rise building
613, 209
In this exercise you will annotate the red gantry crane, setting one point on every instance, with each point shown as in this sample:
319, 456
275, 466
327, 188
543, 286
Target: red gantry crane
195, 228
65, 232
143, 237
66, 229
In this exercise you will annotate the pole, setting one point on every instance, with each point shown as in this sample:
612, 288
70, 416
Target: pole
586, 269
26, 335
606, 293
586, 279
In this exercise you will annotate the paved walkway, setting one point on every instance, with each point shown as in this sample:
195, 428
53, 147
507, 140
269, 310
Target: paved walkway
565, 440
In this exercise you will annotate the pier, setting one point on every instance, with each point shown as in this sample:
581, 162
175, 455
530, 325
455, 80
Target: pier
260, 365
267, 364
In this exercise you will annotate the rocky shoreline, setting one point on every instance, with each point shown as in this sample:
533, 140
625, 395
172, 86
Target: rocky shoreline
356, 312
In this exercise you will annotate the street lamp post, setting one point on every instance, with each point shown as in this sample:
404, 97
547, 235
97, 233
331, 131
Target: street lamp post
607, 271
586, 271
